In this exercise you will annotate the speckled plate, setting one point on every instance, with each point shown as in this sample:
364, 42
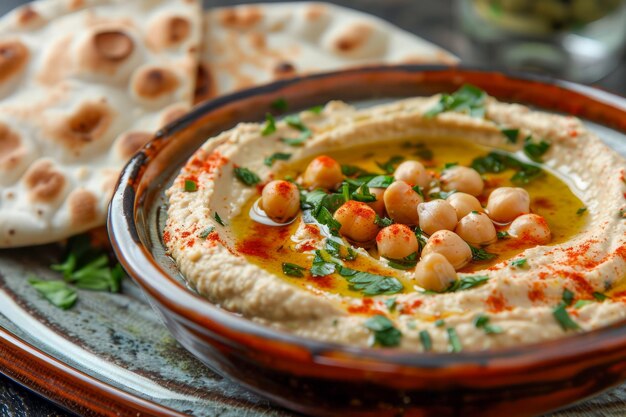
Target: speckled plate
111, 355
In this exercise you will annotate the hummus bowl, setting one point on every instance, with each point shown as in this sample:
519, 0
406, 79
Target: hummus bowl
286, 355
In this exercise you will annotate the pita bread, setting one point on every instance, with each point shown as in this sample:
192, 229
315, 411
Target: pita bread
83, 85
248, 45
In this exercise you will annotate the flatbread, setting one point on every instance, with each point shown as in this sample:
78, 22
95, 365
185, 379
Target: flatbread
249, 45
83, 85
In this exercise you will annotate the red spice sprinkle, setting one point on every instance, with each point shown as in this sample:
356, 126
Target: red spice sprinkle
358, 209
496, 302
543, 203
326, 282
166, 237
254, 247
326, 161
536, 293
366, 307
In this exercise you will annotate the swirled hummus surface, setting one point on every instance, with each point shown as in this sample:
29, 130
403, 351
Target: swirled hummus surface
448, 223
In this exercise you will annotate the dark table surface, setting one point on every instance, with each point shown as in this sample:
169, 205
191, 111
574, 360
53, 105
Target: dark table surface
433, 20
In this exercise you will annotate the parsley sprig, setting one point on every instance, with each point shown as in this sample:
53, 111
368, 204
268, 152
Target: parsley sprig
468, 99
384, 332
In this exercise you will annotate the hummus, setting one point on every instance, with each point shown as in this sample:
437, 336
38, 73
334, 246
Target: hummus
307, 278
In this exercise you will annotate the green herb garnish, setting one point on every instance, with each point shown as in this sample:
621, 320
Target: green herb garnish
503, 235
535, 150
380, 181
339, 250
385, 334
190, 186
425, 339
323, 216
363, 195
322, 264
581, 303
298, 141
293, 270
383, 221
510, 134
439, 323
246, 176
280, 104
218, 219
390, 303
352, 170
562, 317
270, 125
467, 283
278, 156
453, 341
449, 165
599, 296
479, 254
56, 292
316, 109
519, 263
495, 162
581, 211
482, 322
371, 284
390, 165
568, 297
467, 99
408, 262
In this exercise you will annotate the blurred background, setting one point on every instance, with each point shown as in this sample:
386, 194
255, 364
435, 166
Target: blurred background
580, 40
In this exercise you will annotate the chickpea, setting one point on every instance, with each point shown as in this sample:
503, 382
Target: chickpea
413, 173
462, 179
401, 202
436, 215
434, 273
322, 172
379, 204
396, 241
450, 245
506, 203
464, 204
476, 229
357, 221
531, 228
280, 200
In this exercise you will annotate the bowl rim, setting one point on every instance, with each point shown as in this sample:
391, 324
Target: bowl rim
192, 308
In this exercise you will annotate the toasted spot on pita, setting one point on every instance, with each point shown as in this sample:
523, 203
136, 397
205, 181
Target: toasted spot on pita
130, 142
154, 82
205, 84
315, 11
11, 149
359, 40
284, 69
83, 207
87, 124
28, 18
13, 58
44, 182
168, 31
76, 4
257, 40
243, 17
113, 45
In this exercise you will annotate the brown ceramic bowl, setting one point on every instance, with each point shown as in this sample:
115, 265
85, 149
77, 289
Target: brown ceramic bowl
328, 379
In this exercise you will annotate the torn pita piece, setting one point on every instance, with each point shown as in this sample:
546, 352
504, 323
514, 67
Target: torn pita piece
83, 85
248, 45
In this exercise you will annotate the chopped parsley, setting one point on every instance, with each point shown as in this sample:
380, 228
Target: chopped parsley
503, 235
439, 323
568, 297
581, 211
316, 109
468, 99
280, 104
380, 181
206, 232
479, 254
599, 296
305, 133
56, 292
581, 303
323, 216
293, 270
441, 195
352, 170
535, 150
449, 165
467, 283
510, 134
190, 186
339, 250
246, 176
519, 263
425, 339
383, 221
408, 262
218, 219
454, 344
482, 322
371, 284
363, 194
418, 190
562, 317
270, 125
496, 162
278, 156
322, 264
421, 150
390, 303
390, 165
384, 332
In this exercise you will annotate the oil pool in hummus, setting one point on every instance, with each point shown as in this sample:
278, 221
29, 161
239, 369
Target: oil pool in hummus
454, 222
